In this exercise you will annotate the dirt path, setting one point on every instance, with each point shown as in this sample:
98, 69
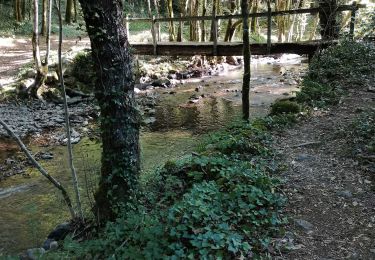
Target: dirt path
331, 197
16, 52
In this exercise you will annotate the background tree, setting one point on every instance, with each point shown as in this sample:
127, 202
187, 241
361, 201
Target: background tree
246, 57
114, 91
69, 11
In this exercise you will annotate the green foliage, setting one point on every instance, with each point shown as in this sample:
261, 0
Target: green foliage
346, 63
285, 107
362, 133
278, 122
349, 64
220, 204
83, 69
316, 94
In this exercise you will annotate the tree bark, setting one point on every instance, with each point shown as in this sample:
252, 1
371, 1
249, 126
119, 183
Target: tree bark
328, 22
246, 57
114, 92
172, 36
69, 11
43, 30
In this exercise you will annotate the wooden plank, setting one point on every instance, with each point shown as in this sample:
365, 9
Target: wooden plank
226, 49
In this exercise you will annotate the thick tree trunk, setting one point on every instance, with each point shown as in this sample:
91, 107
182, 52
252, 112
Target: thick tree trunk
115, 95
18, 11
246, 57
69, 11
328, 22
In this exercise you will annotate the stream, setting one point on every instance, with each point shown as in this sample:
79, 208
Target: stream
31, 207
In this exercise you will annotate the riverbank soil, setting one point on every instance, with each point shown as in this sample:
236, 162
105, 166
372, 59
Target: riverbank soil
331, 195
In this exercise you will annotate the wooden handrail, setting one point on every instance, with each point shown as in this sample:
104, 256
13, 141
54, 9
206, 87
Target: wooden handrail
313, 10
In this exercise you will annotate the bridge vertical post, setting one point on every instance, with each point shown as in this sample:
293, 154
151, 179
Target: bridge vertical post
153, 31
269, 26
127, 26
180, 29
214, 29
352, 20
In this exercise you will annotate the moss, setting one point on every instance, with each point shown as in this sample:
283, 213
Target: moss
285, 107
83, 70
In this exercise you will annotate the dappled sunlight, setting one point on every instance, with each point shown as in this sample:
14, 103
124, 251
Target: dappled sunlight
6, 42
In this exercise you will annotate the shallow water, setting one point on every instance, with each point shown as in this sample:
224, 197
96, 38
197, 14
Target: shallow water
34, 208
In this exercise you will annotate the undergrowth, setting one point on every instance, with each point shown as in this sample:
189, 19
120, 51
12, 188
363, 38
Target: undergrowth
336, 69
220, 203
361, 138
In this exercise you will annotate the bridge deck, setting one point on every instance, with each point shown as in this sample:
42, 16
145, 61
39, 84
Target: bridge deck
224, 48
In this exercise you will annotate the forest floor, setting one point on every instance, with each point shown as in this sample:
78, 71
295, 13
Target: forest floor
16, 52
331, 195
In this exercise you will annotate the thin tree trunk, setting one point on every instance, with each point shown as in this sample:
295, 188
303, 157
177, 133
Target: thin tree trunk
43, 30
41, 68
254, 20
246, 57
41, 169
48, 36
232, 8
203, 26
157, 16
67, 123
35, 39
214, 13
171, 25
114, 91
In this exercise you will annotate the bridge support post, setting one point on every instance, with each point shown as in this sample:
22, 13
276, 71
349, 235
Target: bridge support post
352, 20
127, 26
214, 29
269, 26
153, 31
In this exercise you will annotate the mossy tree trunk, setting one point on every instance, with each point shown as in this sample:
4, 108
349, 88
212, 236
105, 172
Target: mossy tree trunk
114, 92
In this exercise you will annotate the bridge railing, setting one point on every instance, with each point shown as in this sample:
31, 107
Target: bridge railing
353, 8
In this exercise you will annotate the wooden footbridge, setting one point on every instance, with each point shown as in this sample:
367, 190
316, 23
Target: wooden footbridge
216, 48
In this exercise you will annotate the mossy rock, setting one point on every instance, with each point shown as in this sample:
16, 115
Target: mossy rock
83, 69
285, 107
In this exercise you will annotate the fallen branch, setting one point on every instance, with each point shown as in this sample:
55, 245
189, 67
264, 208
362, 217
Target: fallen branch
40, 168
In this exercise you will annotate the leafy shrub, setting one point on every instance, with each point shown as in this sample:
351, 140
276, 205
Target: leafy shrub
363, 132
316, 94
285, 107
346, 62
277, 122
346, 65
83, 69
218, 205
